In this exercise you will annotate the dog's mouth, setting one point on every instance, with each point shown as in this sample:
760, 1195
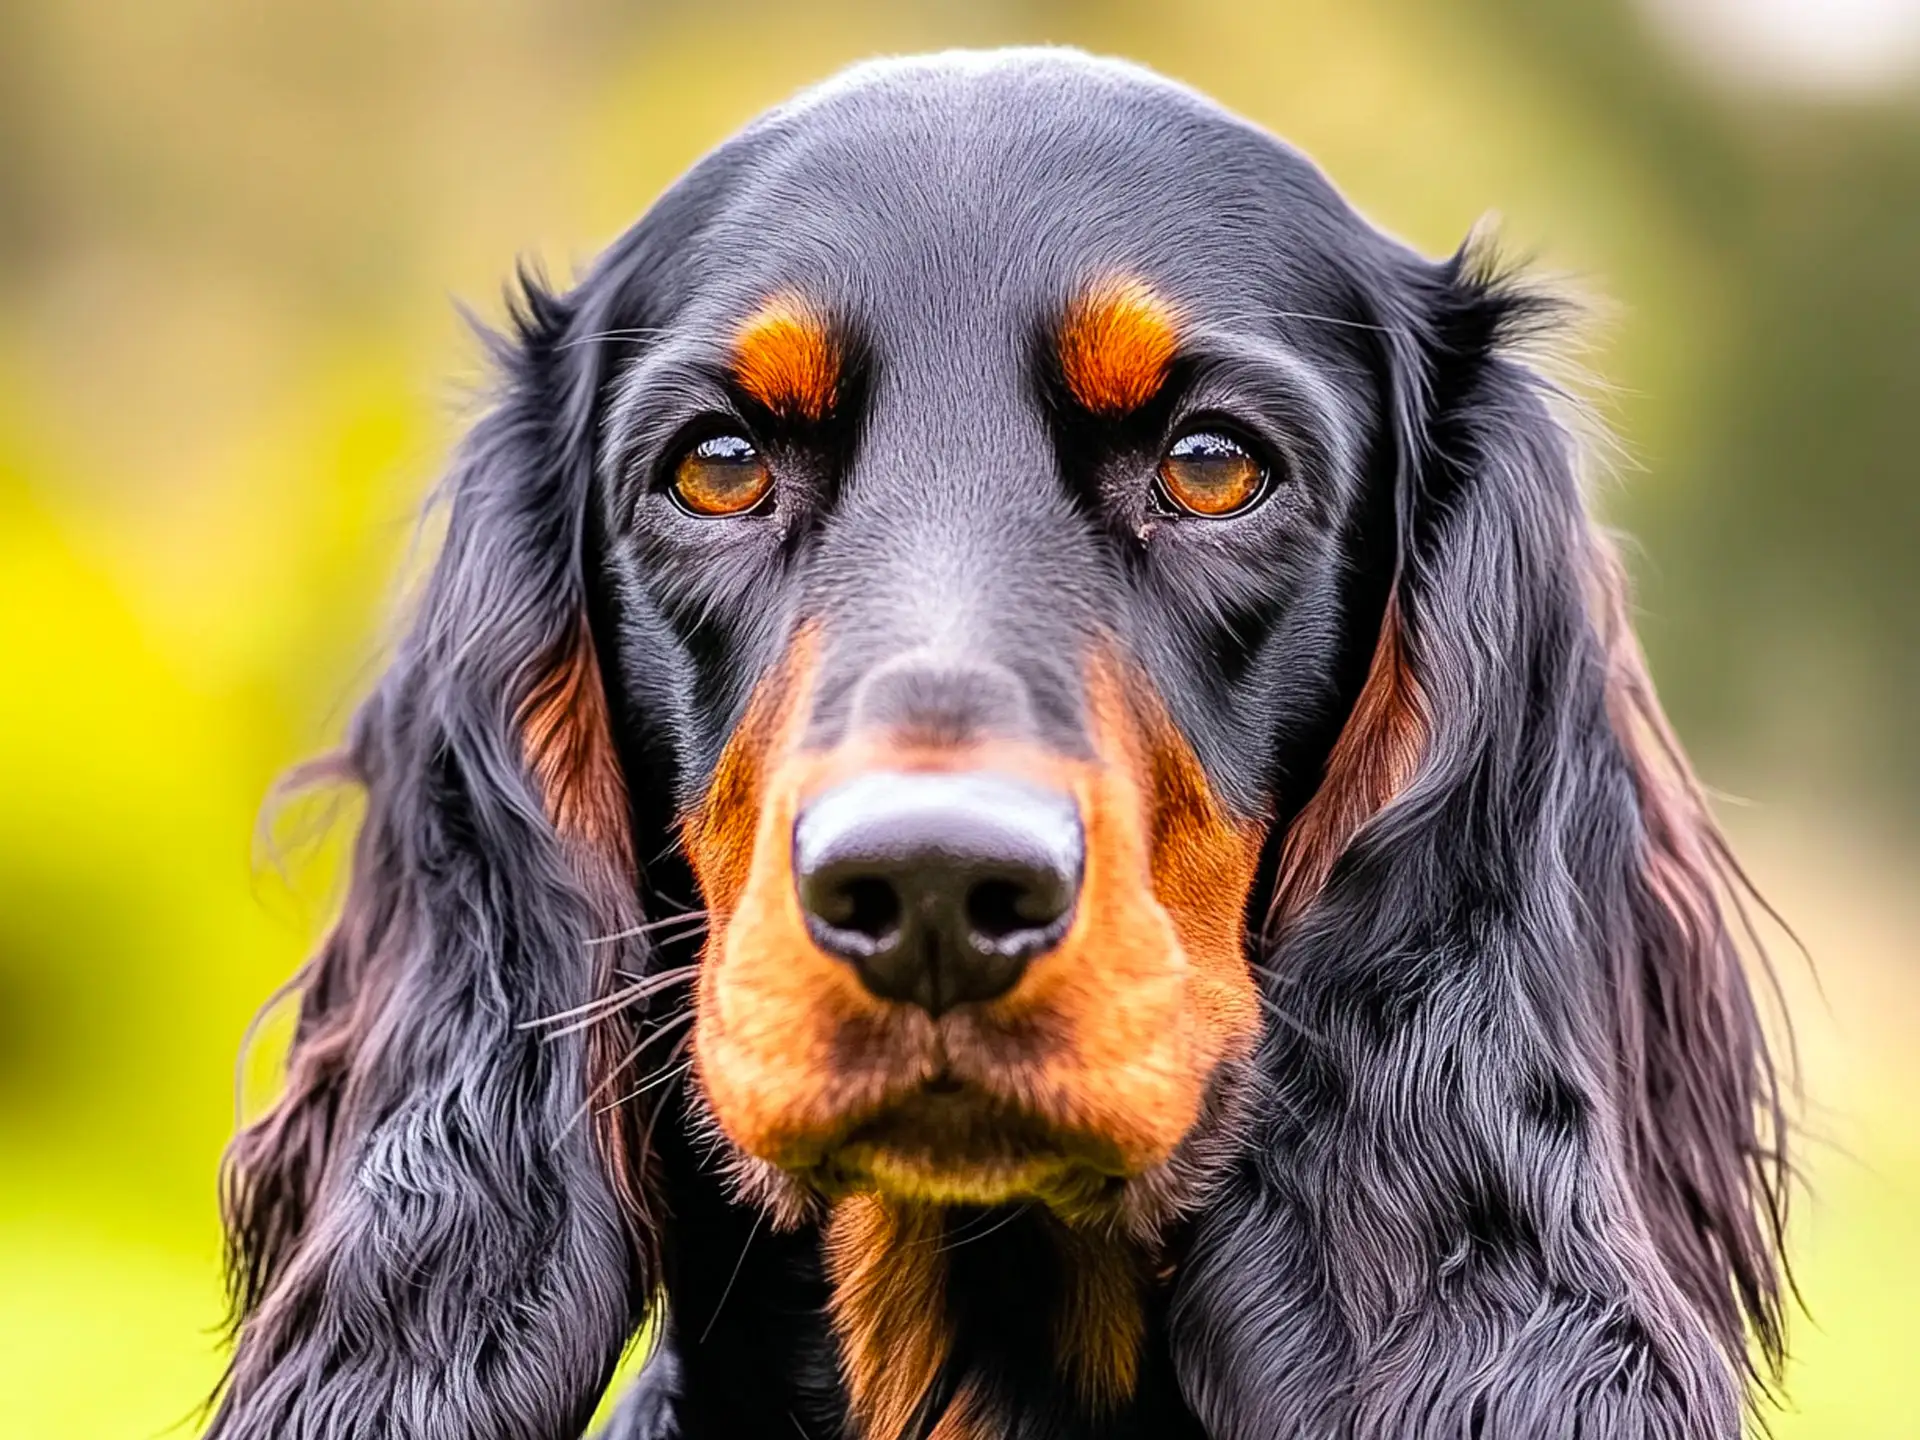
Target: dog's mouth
986, 1106
972, 1108
952, 1143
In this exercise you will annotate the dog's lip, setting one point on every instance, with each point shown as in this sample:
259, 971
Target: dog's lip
955, 1136
950, 1109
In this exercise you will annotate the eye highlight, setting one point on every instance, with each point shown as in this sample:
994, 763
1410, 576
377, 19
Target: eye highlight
722, 475
1207, 472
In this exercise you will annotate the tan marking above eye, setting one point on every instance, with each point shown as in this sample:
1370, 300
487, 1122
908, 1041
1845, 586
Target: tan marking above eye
785, 356
722, 475
1116, 345
1207, 472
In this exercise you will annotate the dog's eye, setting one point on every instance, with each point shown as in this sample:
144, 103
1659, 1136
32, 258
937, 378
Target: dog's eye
722, 475
1206, 472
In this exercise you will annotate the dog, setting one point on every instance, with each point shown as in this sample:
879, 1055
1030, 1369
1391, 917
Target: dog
1021, 804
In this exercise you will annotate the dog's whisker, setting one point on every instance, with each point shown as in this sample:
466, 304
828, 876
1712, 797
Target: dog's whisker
654, 1083
984, 1217
1242, 317
1340, 320
665, 1027
1001, 1224
646, 982
737, 1266
618, 1000
1279, 1012
689, 918
590, 1021
632, 332
653, 1121
1299, 1027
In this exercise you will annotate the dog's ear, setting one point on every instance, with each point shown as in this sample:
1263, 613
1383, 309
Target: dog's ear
1522, 1160
1704, 1120
442, 1228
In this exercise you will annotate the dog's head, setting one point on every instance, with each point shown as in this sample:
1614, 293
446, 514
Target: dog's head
1008, 535
1011, 562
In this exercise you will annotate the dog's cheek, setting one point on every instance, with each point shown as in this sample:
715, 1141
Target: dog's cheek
1200, 861
1203, 867
758, 1011
719, 833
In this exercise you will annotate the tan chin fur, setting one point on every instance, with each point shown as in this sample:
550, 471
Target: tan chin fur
1099, 1325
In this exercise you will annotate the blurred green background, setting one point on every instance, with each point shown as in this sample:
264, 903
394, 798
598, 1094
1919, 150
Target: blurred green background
230, 241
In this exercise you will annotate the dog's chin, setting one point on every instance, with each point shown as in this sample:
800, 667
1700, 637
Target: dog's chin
954, 1146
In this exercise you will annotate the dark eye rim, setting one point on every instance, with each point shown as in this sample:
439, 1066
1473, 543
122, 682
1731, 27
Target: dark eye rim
1272, 469
705, 433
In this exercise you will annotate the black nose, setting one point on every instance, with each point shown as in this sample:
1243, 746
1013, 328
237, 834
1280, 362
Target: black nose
939, 888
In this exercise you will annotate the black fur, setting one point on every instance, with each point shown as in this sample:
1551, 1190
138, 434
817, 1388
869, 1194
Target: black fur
1515, 1171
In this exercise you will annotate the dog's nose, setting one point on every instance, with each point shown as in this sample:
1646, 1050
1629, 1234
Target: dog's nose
938, 888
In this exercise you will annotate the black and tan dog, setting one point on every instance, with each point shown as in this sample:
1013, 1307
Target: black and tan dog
1021, 806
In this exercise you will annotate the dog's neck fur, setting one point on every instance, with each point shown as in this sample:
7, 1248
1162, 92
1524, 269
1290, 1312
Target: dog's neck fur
926, 1323
927, 1329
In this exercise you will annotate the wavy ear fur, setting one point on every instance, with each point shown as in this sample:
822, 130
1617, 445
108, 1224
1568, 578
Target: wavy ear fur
433, 1233
1521, 1173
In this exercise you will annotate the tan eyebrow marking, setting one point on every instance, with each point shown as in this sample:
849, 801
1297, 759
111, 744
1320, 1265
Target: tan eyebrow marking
785, 357
1116, 344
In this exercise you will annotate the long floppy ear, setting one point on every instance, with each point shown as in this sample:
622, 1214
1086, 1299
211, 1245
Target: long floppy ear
440, 1229
1520, 1175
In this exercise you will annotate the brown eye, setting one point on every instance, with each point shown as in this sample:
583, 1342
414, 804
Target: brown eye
723, 475
1207, 473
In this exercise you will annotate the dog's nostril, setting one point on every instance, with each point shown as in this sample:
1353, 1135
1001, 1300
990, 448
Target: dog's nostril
993, 909
1015, 915
865, 905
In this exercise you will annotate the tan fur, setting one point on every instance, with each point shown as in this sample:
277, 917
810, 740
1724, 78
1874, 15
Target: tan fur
1376, 757
785, 357
888, 1308
966, 1419
1100, 1325
1116, 345
888, 1261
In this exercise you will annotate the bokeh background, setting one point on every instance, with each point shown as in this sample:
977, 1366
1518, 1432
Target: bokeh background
231, 242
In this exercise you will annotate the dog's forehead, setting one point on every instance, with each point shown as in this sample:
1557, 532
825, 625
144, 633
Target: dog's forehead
983, 192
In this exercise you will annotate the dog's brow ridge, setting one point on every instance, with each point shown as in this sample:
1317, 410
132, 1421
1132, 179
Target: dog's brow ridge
1116, 343
785, 356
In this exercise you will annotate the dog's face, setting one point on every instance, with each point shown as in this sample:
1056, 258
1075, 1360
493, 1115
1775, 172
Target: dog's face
1005, 532
1005, 547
